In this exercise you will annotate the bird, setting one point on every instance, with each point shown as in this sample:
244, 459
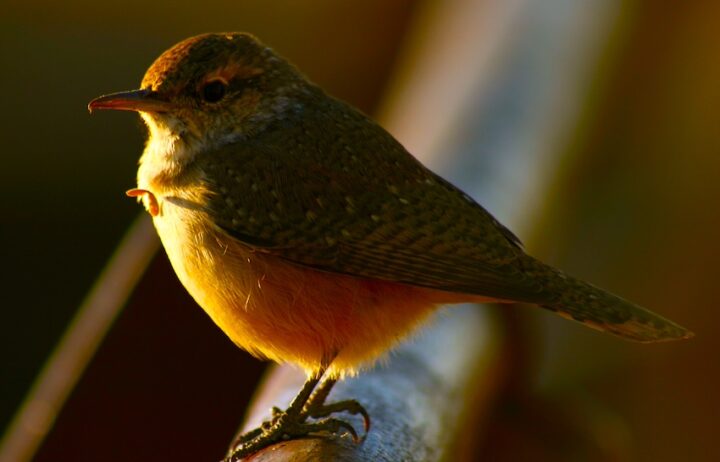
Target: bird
311, 236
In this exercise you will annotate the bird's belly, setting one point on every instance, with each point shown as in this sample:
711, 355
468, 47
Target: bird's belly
285, 312
221, 283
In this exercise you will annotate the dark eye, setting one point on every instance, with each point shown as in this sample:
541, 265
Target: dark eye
213, 91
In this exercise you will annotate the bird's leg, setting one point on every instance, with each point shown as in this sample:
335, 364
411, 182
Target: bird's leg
292, 422
317, 409
149, 200
296, 406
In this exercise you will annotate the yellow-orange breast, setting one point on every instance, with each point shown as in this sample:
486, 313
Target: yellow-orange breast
285, 312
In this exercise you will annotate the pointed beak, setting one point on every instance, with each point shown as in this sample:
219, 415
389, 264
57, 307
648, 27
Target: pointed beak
134, 100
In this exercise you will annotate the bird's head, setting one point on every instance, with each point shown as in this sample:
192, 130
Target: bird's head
212, 89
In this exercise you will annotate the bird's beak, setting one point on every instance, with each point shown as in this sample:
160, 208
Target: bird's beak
134, 100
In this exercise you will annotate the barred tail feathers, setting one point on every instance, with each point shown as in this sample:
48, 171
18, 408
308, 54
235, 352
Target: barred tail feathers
598, 309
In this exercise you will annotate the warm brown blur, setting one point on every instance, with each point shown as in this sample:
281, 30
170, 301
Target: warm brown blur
634, 209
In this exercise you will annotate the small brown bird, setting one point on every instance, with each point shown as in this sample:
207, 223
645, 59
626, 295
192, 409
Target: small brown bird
310, 235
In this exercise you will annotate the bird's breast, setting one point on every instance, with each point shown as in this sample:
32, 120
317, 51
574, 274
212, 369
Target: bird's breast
286, 312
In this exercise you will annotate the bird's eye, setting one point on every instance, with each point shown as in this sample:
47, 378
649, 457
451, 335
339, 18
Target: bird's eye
214, 91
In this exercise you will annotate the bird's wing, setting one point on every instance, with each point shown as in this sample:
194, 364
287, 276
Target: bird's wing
365, 208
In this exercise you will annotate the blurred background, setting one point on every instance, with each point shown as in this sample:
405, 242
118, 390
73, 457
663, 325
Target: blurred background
609, 113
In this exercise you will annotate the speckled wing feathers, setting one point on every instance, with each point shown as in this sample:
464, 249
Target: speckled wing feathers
393, 222
341, 195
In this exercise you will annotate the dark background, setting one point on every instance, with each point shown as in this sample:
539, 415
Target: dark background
634, 208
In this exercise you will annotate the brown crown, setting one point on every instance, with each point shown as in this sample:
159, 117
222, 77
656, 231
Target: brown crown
187, 62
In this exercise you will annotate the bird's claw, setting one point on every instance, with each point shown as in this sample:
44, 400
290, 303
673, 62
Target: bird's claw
350, 406
287, 426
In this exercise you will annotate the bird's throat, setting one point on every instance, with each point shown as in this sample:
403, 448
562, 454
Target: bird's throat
166, 156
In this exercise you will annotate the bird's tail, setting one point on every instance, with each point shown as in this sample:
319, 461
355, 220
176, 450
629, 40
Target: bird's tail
580, 301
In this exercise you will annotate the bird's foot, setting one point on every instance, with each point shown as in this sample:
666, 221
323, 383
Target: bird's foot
287, 425
351, 406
